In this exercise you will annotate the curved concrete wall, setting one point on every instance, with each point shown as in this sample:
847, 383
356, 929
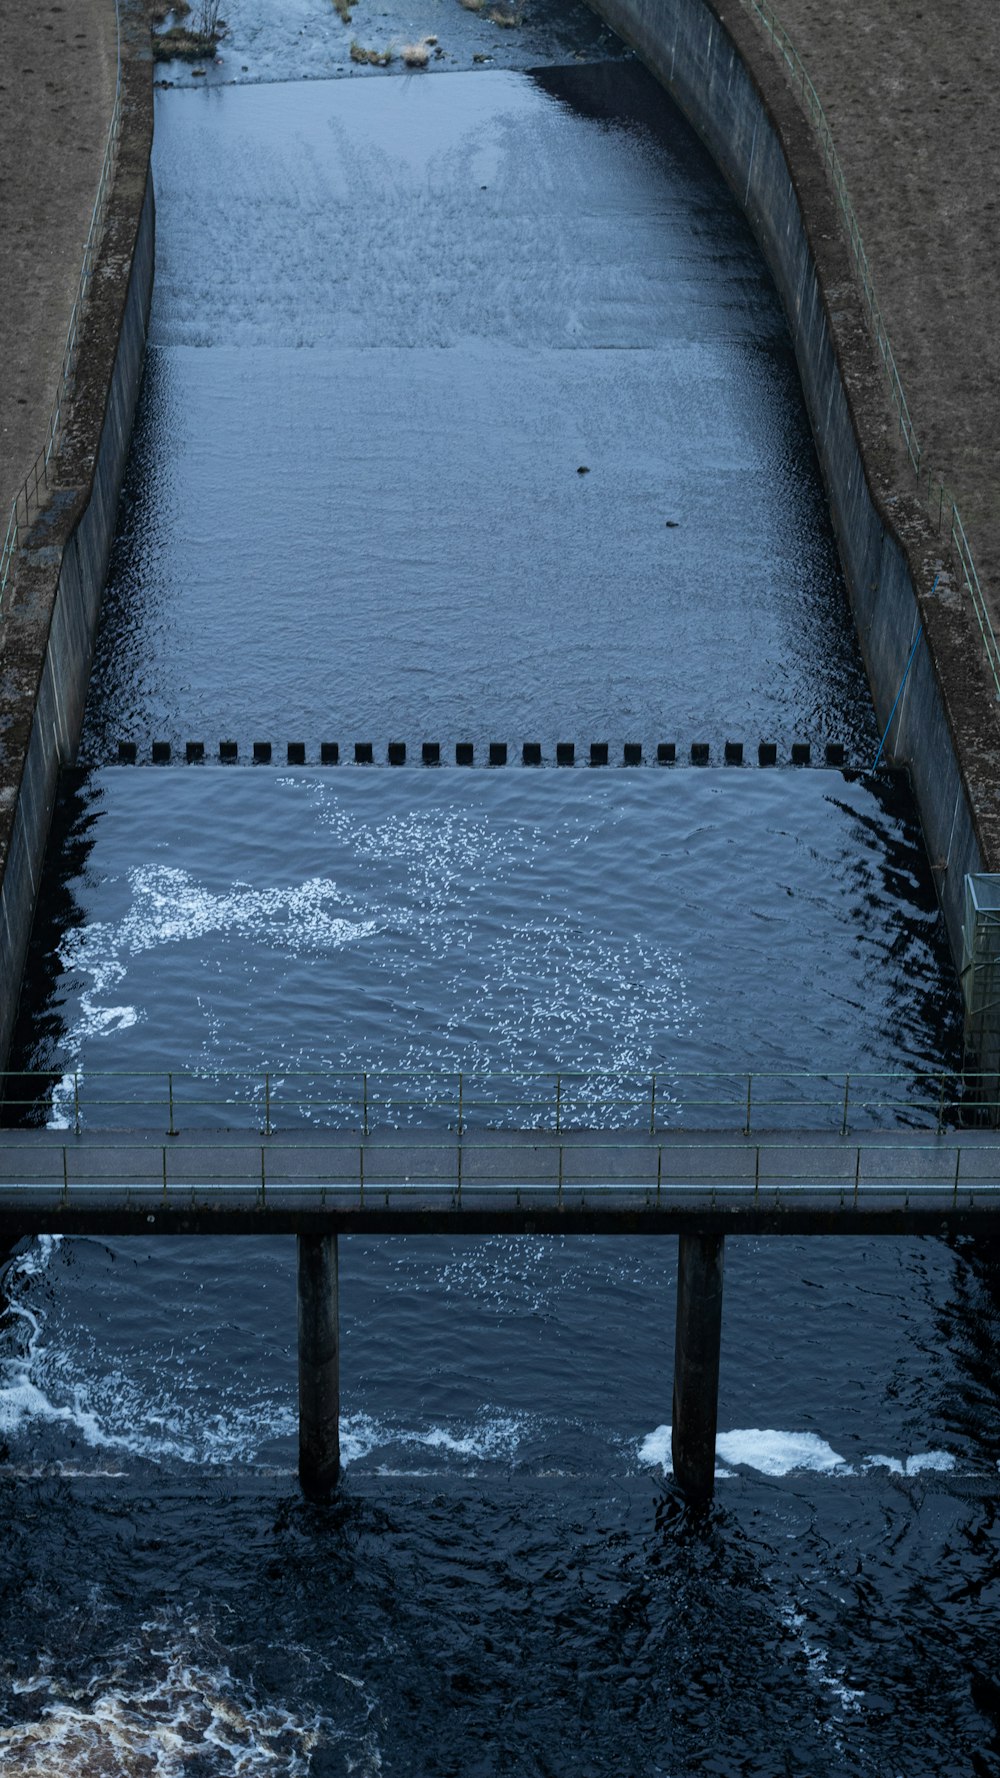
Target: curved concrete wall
51, 619
716, 68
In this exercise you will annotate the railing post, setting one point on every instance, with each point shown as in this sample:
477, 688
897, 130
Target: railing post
558, 1104
170, 1100
847, 1089
940, 1113
461, 1102
76, 1101
267, 1102
652, 1106
364, 1102
746, 1127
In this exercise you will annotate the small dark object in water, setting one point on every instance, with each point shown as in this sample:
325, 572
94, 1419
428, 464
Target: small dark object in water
583, 470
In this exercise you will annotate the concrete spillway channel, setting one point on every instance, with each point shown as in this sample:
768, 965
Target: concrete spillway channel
479, 417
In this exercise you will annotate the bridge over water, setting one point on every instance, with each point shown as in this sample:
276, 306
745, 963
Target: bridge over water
553, 1154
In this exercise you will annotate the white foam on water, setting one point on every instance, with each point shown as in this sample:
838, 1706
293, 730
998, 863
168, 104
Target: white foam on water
780, 1453
940, 1461
849, 1697
114, 1411
167, 1698
169, 907
494, 1438
774, 1453
108, 1408
552, 989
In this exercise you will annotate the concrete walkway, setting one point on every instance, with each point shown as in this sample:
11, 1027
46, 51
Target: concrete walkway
910, 98
57, 87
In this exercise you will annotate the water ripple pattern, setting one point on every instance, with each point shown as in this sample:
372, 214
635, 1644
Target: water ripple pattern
472, 404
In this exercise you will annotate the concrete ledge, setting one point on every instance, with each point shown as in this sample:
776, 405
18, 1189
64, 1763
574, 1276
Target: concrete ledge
52, 609
713, 63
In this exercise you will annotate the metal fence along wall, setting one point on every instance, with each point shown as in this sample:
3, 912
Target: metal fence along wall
30, 495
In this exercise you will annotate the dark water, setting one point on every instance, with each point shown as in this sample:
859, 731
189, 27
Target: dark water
392, 322
353, 500
388, 921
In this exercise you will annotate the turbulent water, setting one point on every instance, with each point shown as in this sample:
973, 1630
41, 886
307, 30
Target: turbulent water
392, 322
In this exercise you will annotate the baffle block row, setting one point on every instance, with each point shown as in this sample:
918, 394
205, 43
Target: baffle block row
496, 753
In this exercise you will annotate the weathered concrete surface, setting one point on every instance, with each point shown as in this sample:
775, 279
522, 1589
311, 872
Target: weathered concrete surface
51, 607
57, 88
910, 98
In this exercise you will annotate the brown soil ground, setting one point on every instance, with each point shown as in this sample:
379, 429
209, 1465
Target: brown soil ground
910, 96
57, 85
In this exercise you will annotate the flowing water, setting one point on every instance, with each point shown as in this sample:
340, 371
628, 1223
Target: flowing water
394, 319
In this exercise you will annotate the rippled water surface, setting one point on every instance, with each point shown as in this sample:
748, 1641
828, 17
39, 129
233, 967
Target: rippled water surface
394, 322
394, 319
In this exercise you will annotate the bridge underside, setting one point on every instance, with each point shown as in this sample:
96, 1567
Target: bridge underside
499, 1182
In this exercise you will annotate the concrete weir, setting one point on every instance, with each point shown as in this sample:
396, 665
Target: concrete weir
712, 60
709, 57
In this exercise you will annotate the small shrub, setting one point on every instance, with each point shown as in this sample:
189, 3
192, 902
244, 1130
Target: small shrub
375, 58
181, 45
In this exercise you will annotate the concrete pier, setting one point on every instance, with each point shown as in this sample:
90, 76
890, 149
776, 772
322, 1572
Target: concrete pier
696, 1362
319, 1364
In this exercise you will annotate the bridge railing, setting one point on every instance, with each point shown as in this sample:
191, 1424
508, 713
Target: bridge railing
397, 1172
459, 1100
937, 498
30, 496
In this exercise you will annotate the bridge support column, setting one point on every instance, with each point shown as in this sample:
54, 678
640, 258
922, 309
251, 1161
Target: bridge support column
319, 1364
696, 1363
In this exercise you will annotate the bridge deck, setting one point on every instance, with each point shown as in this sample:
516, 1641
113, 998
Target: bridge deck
579, 1181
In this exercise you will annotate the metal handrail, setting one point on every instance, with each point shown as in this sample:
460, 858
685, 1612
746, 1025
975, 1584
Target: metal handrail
769, 1172
29, 497
936, 494
553, 1100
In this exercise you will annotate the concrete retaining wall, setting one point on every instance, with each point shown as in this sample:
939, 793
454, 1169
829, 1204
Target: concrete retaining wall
51, 618
719, 71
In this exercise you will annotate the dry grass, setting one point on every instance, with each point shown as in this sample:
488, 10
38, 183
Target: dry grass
472, 5
508, 16
161, 10
374, 58
181, 45
415, 55
343, 8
